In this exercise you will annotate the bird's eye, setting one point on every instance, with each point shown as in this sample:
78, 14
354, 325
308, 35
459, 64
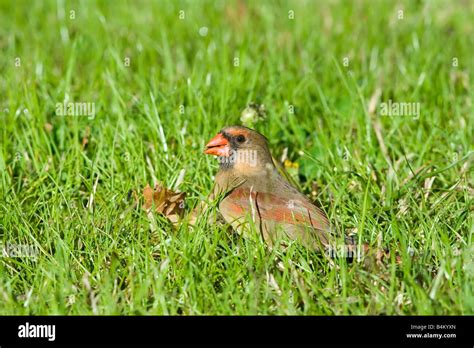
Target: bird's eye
240, 138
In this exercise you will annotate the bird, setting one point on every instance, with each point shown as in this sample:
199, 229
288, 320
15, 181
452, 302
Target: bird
251, 191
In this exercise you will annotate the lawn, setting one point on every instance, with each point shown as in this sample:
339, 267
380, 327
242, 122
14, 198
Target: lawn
153, 81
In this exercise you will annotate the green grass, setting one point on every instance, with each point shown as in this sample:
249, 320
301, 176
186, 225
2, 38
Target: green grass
105, 258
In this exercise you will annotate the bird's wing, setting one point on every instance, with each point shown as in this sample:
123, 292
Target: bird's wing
296, 217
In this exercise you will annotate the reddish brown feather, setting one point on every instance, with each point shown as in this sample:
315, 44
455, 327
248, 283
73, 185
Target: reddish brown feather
275, 208
238, 132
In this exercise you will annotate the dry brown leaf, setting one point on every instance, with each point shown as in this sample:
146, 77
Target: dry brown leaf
148, 195
85, 138
164, 201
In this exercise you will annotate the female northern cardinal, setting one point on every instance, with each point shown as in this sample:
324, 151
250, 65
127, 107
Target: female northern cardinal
252, 188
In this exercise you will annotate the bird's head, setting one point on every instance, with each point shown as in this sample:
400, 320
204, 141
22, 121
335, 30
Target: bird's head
239, 148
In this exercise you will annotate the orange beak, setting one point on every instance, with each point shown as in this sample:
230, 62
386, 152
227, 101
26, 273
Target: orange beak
218, 146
